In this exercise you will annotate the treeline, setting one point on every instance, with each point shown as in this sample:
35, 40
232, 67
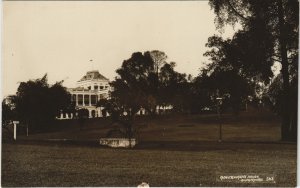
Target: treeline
36, 104
147, 80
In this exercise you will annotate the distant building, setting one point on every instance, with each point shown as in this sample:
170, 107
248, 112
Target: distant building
89, 90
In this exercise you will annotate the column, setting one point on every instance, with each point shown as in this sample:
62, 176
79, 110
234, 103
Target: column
83, 104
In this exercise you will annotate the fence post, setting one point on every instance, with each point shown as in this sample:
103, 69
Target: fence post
15, 129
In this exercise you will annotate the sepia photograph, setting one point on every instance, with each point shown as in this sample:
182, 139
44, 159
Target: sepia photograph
149, 93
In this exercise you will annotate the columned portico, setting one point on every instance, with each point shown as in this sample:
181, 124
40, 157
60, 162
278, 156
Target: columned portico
90, 89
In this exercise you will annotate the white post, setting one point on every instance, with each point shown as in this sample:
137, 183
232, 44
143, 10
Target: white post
90, 113
61, 115
15, 129
144, 111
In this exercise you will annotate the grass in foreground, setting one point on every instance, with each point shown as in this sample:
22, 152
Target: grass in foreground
60, 165
174, 151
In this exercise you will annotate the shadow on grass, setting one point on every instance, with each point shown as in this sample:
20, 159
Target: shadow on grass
194, 146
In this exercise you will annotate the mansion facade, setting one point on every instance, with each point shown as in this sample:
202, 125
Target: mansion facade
89, 90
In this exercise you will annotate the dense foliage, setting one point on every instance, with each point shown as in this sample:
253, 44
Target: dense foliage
37, 103
269, 34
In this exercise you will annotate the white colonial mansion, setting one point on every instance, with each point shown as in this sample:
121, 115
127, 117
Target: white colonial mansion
89, 90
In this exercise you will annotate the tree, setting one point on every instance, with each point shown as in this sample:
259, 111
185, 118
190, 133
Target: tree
200, 93
8, 114
232, 71
242, 54
274, 95
230, 83
134, 87
159, 59
37, 103
277, 19
171, 82
136, 82
139, 86
175, 89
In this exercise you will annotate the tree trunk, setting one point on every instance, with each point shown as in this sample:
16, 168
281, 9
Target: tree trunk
285, 126
294, 110
131, 128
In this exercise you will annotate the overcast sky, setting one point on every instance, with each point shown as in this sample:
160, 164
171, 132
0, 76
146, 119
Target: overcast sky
59, 38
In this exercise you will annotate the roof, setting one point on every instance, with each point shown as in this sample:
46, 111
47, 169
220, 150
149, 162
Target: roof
93, 75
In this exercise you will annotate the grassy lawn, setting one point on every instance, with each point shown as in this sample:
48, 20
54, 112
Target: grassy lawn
173, 151
60, 165
254, 126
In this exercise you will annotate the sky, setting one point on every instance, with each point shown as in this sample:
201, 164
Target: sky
61, 37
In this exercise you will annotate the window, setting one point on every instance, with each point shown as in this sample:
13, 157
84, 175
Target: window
86, 100
93, 99
95, 87
80, 100
73, 98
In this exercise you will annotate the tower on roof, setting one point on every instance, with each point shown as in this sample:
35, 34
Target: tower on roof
93, 80
93, 75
